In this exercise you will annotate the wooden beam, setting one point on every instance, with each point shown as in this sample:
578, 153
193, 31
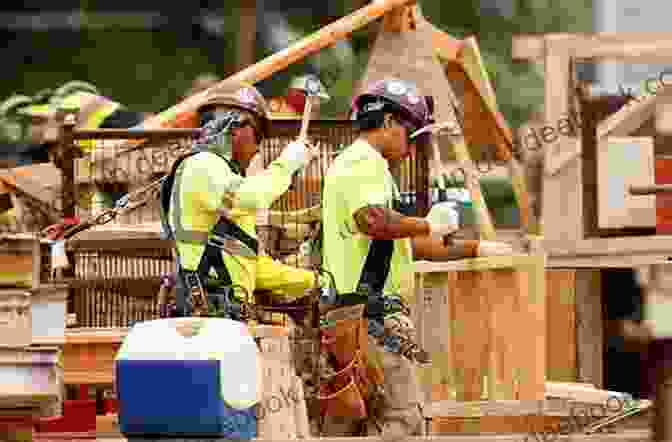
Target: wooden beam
402, 19
589, 330
447, 47
633, 114
623, 162
616, 261
562, 205
664, 118
472, 64
112, 335
477, 264
633, 47
610, 246
528, 47
448, 408
325, 37
650, 190
569, 150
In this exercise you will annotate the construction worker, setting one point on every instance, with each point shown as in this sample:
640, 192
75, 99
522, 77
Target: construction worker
209, 206
93, 111
35, 121
367, 248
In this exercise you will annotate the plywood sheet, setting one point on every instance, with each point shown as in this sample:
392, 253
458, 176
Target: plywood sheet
623, 162
561, 325
491, 331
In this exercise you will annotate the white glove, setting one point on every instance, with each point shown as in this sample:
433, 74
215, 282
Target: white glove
493, 248
443, 219
297, 154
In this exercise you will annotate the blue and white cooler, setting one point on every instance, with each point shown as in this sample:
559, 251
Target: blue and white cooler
188, 377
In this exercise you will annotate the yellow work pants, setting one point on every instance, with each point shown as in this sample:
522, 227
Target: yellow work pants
264, 273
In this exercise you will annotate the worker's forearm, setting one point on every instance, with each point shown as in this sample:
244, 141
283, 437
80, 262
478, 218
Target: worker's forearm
432, 249
260, 191
383, 223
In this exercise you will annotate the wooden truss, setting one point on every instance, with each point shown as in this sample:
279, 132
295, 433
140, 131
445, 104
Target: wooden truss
565, 234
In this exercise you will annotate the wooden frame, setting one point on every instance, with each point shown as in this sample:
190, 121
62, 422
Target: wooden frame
448, 293
564, 211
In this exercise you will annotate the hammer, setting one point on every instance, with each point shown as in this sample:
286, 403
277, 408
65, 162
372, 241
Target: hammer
312, 89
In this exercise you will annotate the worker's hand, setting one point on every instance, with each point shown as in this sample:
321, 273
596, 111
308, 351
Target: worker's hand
298, 154
443, 219
494, 248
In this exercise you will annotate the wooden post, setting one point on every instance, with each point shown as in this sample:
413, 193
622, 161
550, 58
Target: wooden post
67, 165
247, 42
37, 262
589, 331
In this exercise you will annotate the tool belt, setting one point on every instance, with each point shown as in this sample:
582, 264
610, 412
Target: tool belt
354, 379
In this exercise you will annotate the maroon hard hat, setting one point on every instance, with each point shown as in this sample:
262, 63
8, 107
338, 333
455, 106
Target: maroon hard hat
396, 95
239, 95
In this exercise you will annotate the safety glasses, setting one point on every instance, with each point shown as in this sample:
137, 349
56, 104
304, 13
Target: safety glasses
241, 120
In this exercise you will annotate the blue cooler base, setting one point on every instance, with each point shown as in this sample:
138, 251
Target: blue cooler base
177, 399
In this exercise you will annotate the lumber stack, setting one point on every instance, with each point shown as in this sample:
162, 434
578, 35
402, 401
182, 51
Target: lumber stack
30, 375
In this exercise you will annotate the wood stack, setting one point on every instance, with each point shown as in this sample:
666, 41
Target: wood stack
30, 374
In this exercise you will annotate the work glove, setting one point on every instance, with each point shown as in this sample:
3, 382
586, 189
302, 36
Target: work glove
298, 154
443, 219
494, 248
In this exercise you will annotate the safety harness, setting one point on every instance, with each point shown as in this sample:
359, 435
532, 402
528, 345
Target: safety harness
225, 235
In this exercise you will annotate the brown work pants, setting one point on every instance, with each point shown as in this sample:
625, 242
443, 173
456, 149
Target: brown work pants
400, 416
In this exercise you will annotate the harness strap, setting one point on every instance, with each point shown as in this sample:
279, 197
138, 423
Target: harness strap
224, 235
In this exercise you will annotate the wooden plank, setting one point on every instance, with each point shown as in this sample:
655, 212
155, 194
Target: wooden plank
633, 47
623, 162
589, 327
478, 346
664, 118
448, 408
571, 149
528, 47
16, 264
85, 336
400, 19
562, 196
279, 61
477, 264
494, 425
474, 68
631, 245
561, 325
608, 261
89, 363
633, 115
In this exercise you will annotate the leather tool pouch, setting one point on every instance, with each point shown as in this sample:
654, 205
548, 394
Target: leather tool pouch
346, 392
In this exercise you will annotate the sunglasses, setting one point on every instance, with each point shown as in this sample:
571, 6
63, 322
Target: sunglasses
242, 120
